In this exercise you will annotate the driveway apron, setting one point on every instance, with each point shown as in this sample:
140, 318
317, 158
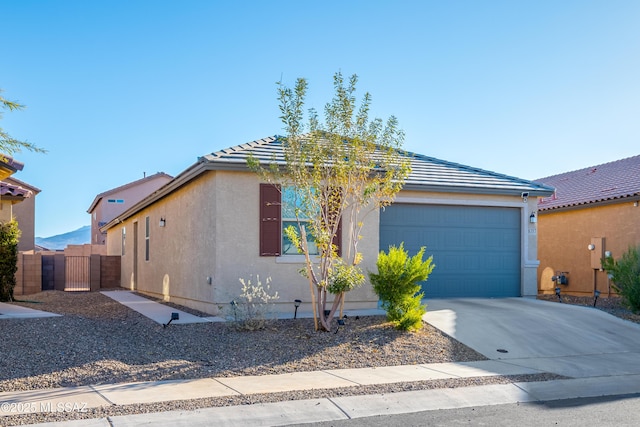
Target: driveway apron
565, 339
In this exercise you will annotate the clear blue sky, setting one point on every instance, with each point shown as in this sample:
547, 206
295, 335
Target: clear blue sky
117, 88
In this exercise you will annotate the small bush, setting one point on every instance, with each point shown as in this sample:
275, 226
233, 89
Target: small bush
9, 235
625, 275
253, 308
397, 286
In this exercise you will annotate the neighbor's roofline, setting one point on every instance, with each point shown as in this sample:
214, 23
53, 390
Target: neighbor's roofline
96, 200
633, 197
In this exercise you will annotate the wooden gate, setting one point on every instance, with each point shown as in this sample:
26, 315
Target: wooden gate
77, 273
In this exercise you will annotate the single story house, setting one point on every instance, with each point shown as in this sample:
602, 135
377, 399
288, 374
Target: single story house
193, 239
594, 212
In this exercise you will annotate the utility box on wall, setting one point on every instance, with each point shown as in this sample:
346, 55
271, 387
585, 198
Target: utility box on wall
597, 252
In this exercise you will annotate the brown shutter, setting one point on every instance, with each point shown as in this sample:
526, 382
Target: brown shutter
270, 216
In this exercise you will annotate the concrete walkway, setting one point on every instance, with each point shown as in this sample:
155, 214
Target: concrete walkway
600, 368
11, 311
157, 312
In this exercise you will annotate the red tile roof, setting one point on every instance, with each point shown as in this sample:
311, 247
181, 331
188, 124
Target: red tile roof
595, 184
11, 190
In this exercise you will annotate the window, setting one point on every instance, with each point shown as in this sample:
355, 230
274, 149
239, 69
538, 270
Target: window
146, 238
277, 211
124, 239
115, 201
292, 201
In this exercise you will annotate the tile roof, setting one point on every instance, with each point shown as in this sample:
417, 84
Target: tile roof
596, 184
427, 173
9, 166
11, 190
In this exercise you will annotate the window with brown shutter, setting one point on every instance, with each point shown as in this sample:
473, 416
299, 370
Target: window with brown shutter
270, 217
271, 223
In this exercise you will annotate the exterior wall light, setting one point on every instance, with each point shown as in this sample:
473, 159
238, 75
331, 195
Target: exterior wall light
591, 247
532, 218
607, 254
163, 222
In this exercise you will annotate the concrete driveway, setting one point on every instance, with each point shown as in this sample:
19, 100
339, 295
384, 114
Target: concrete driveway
552, 337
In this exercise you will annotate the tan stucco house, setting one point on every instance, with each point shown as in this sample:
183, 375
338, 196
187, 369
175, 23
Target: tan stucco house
594, 212
25, 213
11, 192
191, 240
111, 203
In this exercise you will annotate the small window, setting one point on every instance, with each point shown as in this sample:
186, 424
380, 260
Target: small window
292, 201
124, 240
115, 201
146, 238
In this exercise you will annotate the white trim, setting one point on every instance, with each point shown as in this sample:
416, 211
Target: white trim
479, 203
295, 259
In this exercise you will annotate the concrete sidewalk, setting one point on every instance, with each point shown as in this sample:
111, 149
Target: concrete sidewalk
313, 410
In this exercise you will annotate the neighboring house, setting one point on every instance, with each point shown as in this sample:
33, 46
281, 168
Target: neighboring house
594, 212
192, 240
9, 166
10, 193
25, 214
111, 203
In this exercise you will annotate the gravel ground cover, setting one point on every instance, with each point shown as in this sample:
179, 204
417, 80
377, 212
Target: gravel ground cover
100, 341
611, 305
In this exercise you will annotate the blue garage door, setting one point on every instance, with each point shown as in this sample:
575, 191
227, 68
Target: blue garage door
476, 249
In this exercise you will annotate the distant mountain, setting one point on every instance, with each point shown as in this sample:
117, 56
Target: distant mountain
77, 237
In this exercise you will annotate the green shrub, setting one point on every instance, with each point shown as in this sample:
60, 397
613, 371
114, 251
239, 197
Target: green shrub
625, 275
397, 284
252, 309
9, 235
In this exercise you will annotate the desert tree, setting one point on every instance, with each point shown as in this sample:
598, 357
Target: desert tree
8, 144
339, 170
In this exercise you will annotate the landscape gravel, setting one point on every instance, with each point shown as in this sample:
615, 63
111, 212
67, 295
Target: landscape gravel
99, 341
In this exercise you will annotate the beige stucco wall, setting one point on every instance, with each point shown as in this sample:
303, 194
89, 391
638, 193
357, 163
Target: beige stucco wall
211, 240
565, 237
213, 232
5, 210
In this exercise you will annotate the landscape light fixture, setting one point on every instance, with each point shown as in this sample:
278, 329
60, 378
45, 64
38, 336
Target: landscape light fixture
558, 293
296, 304
596, 294
234, 304
341, 322
174, 316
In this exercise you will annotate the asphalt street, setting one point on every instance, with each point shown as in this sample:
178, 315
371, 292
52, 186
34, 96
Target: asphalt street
619, 411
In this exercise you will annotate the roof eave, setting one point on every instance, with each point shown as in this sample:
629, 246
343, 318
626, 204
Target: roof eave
189, 174
589, 204
510, 191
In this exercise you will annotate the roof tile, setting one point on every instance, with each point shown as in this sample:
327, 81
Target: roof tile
608, 181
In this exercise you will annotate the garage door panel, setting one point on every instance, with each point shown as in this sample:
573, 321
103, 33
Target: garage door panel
476, 250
